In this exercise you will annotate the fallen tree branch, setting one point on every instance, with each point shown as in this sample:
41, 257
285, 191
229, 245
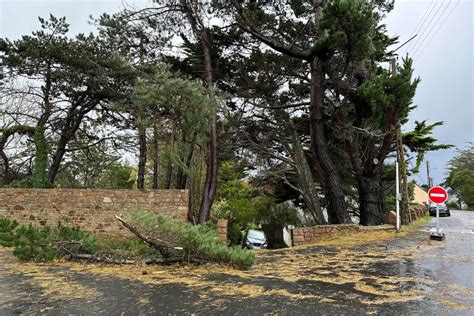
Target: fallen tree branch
101, 259
105, 259
164, 248
175, 260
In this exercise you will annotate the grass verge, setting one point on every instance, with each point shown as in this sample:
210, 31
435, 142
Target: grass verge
369, 236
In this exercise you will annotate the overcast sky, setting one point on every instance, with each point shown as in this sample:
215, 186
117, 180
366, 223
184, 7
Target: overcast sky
443, 53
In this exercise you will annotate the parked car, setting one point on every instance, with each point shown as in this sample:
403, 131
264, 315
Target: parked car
443, 210
255, 239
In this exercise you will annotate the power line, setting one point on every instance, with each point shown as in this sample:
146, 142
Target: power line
425, 27
437, 30
417, 174
432, 27
423, 19
406, 42
420, 21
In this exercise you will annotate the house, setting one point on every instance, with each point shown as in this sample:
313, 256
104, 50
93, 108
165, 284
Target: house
420, 196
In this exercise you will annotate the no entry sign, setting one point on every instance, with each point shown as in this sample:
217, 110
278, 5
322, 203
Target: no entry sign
437, 195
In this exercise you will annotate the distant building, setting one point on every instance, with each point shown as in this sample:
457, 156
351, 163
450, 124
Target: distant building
420, 196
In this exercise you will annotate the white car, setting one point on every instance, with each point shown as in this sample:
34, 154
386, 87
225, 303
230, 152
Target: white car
255, 239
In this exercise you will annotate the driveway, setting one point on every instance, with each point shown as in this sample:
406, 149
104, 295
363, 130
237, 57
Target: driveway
396, 276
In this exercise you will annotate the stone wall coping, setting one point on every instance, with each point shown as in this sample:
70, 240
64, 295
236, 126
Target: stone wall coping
95, 190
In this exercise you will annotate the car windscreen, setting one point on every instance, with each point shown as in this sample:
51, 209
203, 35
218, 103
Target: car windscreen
256, 234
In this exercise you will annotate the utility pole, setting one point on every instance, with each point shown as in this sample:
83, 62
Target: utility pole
403, 182
428, 174
397, 178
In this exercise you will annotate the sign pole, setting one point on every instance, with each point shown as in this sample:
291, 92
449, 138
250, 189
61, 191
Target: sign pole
397, 195
437, 195
437, 218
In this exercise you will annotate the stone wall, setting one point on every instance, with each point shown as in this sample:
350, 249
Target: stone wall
222, 229
91, 210
416, 211
304, 235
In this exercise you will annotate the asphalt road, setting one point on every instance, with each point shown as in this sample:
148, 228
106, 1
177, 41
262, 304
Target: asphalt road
452, 263
405, 276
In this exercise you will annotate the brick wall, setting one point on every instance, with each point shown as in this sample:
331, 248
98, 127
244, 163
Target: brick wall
303, 235
91, 210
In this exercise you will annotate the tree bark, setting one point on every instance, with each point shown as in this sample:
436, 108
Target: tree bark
8, 175
70, 126
169, 169
163, 247
369, 200
39, 175
210, 182
155, 156
141, 155
183, 179
404, 203
337, 210
305, 177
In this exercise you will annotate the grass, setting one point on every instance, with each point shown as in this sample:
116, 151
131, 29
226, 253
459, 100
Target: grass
369, 236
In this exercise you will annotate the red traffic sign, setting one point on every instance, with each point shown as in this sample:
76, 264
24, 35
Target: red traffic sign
437, 195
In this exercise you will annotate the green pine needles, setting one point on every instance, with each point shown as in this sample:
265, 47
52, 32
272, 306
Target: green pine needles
196, 240
46, 243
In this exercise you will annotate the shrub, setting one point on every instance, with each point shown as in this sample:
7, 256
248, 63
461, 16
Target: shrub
234, 234
197, 241
452, 205
269, 212
44, 243
124, 248
7, 228
34, 243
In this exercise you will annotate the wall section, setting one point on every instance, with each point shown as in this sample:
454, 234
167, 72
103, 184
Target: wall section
91, 210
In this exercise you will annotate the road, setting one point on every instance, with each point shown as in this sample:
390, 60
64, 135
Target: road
403, 276
452, 263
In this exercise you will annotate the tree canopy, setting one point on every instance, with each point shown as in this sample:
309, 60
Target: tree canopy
292, 103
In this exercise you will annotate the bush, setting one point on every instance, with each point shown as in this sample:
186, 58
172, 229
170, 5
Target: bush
7, 235
197, 241
44, 243
234, 234
35, 244
452, 205
124, 248
268, 212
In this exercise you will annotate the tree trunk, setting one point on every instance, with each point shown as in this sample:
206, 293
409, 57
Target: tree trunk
404, 203
169, 169
305, 177
210, 183
371, 206
183, 178
39, 175
69, 129
337, 210
7, 174
164, 248
142, 156
155, 157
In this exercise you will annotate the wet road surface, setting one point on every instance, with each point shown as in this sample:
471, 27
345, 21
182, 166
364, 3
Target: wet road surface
402, 276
